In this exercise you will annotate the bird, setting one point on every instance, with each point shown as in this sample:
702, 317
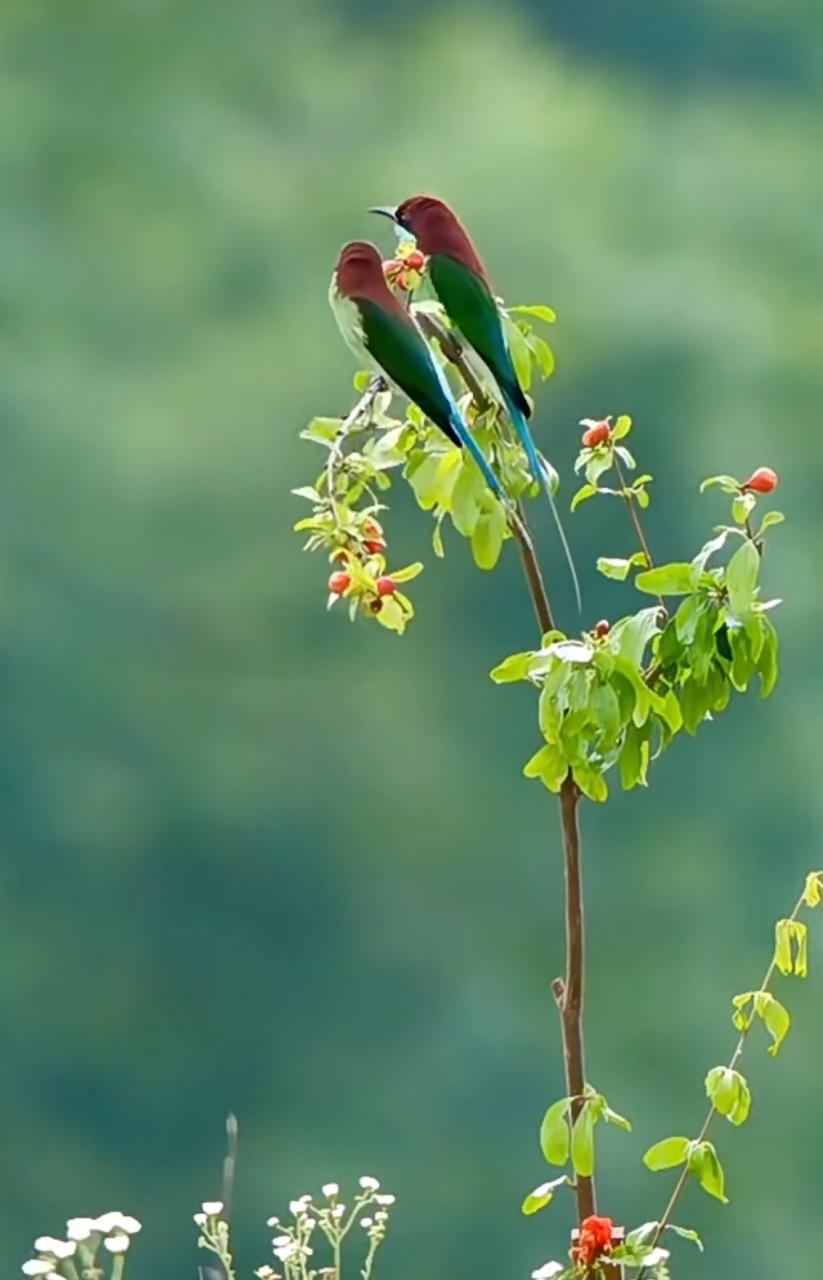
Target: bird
462, 285
384, 334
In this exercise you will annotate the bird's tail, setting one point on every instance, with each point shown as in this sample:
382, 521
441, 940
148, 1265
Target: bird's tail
521, 426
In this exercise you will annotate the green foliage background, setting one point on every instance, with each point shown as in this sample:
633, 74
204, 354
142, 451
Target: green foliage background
253, 857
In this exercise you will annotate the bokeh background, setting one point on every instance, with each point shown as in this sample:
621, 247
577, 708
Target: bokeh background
254, 857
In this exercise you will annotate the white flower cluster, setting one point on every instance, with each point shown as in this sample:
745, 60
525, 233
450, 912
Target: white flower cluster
115, 1229
293, 1245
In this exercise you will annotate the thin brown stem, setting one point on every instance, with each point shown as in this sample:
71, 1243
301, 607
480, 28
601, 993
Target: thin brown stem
685, 1172
568, 991
635, 517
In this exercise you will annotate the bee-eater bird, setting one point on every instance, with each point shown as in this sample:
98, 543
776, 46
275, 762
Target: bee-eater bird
463, 287
381, 332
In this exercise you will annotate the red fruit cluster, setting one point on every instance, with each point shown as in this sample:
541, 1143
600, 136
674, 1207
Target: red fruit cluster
416, 260
763, 480
602, 628
597, 433
375, 541
595, 1240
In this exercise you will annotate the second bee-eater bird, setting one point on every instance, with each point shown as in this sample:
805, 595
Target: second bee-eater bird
381, 332
463, 287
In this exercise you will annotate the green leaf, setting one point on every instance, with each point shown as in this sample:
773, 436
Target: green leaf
582, 1143
742, 507
625, 456
488, 535
362, 379
666, 580
622, 427
466, 499
619, 569
694, 703
555, 1139
437, 538
630, 636
406, 575
742, 1016
515, 667
775, 1017
520, 354
741, 579
590, 781
549, 764
667, 1154
634, 758
543, 354
706, 1168
542, 1195
813, 891
537, 310
729, 1094
612, 1117
642, 498
771, 518
686, 1233
605, 709
424, 480
783, 957
586, 491
767, 662
727, 483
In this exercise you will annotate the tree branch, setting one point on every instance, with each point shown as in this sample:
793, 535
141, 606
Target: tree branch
568, 991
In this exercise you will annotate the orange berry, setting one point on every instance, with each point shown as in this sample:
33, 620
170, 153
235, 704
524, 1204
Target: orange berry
386, 586
415, 260
339, 583
374, 546
763, 480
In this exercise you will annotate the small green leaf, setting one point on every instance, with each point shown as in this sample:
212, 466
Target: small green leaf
686, 1233
543, 354
555, 1139
729, 1094
727, 483
619, 569
769, 519
549, 764
741, 579
542, 1195
612, 1117
666, 1154
437, 538
590, 781
537, 310
742, 1016
406, 575
488, 535
813, 892
775, 1017
783, 946
582, 1143
515, 667
520, 354
791, 954
767, 662
622, 427
586, 491
666, 580
742, 507
706, 1168
466, 499
362, 379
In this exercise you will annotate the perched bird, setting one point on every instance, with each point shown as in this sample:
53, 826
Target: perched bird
383, 333
462, 285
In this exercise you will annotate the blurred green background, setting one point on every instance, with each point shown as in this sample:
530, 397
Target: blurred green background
254, 857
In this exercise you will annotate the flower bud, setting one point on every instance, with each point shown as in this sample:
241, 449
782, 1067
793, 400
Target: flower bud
763, 480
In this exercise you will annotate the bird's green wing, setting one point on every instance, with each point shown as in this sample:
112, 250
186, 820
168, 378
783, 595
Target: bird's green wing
397, 345
470, 305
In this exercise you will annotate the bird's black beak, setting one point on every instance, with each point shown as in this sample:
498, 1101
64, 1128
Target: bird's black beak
387, 210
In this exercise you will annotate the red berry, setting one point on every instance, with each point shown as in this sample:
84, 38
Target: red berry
372, 529
763, 480
374, 545
339, 582
602, 629
597, 434
386, 586
416, 260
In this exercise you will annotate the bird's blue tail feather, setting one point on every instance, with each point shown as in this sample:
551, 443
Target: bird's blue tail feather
521, 426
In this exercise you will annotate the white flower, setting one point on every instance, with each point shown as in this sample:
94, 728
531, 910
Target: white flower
281, 1240
211, 1208
338, 1210
285, 1251
381, 1215
384, 1199
369, 1184
38, 1267
273, 1222
59, 1248
366, 1222
80, 1228
655, 1257
116, 1244
309, 1224
297, 1207
200, 1219
115, 1221
547, 1271
331, 1189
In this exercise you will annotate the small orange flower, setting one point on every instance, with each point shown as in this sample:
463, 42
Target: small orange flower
595, 1240
597, 432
